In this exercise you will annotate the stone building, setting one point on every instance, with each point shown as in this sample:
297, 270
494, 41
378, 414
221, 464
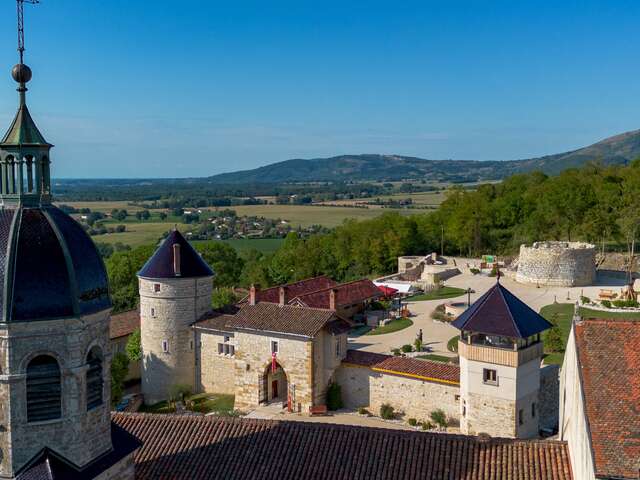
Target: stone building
600, 399
54, 327
500, 353
175, 291
557, 264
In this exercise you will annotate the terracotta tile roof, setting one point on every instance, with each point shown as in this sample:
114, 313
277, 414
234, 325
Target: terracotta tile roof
270, 317
347, 294
609, 359
123, 324
408, 367
500, 312
214, 321
295, 289
206, 447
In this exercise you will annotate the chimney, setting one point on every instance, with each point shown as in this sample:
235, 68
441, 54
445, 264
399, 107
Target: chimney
253, 294
333, 299
283, 296
176, 259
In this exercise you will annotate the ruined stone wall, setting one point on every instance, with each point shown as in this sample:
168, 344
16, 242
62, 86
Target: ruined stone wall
166, 316
562, 264
549, 396
79, 435
363, 387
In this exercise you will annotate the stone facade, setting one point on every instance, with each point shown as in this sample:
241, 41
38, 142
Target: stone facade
560, 264
78, 435
549, 396
415, 398
168, 307
215, 371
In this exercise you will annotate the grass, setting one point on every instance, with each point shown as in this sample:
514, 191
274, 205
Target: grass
559, 314
393, 326
452, 344
589, 313
142, 233
439, 294
105, 207
203, 403
434, 358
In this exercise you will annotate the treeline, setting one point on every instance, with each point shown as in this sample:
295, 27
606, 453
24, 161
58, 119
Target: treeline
596, 204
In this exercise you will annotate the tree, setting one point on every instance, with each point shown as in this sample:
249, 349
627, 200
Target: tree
223, 297
224, 261
119, 371
143, 215
122, 269
162, 216
133, 347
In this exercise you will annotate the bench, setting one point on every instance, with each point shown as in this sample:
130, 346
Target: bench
607, 294
318, 410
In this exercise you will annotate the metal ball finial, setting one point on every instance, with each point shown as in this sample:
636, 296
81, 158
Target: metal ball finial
21, 73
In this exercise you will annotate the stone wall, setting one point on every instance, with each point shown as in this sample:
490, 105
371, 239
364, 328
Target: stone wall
166, 316
549, 396
363, 387
215, 371
80, 435
563, 264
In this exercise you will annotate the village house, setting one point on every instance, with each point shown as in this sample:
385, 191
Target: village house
600, 399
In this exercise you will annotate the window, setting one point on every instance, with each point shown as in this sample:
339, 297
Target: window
227, 338
165, 346
520, 417
232, 350
156, 287
43, 389
489, 376
274, 346
153, 312
533, 410
220, 348
94, 379
464, 408
226, 348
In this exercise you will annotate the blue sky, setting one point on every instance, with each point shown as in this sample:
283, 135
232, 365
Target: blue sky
168, 88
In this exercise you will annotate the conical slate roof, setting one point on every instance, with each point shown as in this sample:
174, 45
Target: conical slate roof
23, 130
162, 265
500, 312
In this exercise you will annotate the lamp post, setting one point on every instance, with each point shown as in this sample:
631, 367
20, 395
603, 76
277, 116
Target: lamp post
469, 297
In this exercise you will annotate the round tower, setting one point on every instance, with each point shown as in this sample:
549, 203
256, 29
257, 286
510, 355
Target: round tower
175, 290
55, 310
500, 352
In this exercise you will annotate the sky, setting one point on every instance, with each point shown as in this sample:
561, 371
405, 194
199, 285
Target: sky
171, 88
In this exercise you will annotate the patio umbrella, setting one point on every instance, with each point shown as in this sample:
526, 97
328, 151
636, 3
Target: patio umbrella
387, 291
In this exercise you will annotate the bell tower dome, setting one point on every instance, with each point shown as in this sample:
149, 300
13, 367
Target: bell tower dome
500, 353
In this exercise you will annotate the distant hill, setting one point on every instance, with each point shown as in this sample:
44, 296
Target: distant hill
619, 149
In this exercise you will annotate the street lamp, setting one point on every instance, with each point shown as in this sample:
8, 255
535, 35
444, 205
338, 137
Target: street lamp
469, 297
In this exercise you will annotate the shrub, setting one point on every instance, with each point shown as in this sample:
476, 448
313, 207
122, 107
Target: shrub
605, 303
474, 271
412, 421
426, 425
439, 417
133, 348
387, 411
178, 391
418, 345
584, 299
624, 303
406, 348
334, 396
493, 272
395, 351
439, 314
553, 340
119, 370
363, 411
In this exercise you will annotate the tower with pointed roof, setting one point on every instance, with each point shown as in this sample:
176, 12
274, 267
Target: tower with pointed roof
175, 290
55, 307
500, 351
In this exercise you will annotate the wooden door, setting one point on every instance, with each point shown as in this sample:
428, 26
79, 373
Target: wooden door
274, 389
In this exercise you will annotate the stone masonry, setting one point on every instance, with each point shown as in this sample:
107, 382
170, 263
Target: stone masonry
168, 307
560, 264
79, 435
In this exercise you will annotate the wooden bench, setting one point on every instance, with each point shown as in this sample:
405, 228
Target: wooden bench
607, 294
318, 410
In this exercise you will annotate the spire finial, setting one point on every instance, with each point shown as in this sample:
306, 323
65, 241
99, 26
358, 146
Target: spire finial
22, 73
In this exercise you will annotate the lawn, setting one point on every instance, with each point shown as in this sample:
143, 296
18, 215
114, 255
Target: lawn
439, 294
435, 358
104, 207
393, 326
452, 344
202, 403
561, 315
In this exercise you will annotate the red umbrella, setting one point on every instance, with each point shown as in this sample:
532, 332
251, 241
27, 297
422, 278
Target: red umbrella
387, 291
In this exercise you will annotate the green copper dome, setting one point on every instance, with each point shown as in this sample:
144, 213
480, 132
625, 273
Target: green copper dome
23, 130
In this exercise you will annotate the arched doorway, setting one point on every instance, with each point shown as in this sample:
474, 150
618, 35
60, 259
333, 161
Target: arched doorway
275, 385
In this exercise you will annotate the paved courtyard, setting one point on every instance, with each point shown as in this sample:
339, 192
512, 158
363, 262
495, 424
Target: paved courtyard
436, 335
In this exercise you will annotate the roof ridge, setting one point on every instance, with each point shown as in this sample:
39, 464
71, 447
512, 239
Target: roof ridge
277, 305
513, 320
299, 281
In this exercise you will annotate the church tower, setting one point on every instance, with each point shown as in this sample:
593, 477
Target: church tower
500, 353
175, 291
54, 318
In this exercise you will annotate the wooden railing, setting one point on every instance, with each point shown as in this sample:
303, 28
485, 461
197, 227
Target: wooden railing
499, 356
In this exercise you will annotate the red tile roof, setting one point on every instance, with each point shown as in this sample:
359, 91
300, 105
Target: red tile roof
295, 289
125, 323
408, 367
349, 293
609, 357
206, 447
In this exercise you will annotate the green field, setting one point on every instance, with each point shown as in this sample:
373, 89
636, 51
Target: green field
264, 245
141, 233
